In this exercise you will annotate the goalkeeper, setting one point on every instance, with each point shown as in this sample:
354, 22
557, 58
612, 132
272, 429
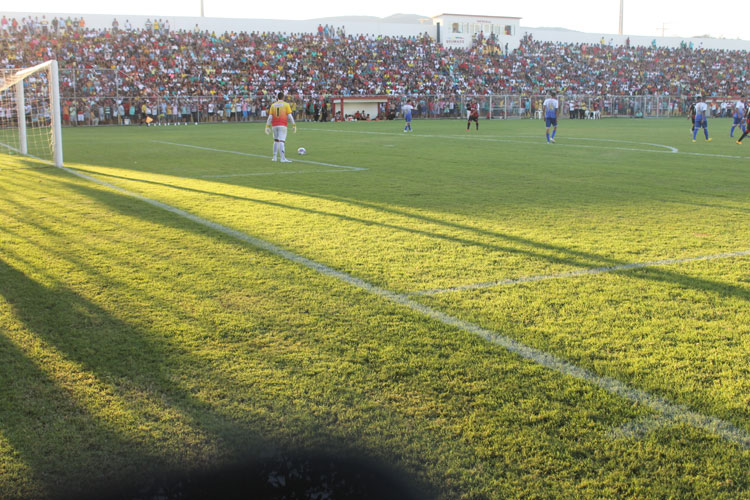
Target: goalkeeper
279, 114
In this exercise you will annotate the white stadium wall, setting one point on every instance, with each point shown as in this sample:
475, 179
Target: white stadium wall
220, 25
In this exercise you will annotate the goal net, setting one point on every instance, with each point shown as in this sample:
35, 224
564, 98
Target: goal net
30, 113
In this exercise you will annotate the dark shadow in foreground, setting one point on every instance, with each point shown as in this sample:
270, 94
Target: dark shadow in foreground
289, 477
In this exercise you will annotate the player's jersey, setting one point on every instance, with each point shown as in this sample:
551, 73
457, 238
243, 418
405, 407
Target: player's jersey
407, 109
280, 113
550, 106
739, 109
701, 109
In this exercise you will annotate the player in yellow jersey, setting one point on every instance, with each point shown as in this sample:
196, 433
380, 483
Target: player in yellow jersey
279, 114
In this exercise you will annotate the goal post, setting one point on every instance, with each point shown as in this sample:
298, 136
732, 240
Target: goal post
30, 121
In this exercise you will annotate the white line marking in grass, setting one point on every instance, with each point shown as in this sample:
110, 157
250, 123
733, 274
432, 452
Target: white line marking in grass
26, 155
670, 149
674, 413
510, 141
342, 167
715, 155
639, 428
581, 272
280, 172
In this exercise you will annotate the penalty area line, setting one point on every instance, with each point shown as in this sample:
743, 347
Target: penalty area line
581, 272
671, 412
666, 148
669, 149
280, 172
228, 151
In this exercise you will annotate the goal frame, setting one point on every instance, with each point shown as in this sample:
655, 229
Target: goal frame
53, 82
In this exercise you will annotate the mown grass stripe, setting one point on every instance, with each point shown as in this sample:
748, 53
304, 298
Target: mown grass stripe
672, 412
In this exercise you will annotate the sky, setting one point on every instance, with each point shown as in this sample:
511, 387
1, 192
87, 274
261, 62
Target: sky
685, 18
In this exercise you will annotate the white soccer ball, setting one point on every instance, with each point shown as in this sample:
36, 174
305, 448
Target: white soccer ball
301, 151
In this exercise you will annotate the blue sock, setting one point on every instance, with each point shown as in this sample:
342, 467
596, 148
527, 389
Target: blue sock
554, 131
731, 132
695, 133
705, 131
547, 136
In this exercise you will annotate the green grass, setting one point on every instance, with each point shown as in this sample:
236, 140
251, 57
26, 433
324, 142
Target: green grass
133, 340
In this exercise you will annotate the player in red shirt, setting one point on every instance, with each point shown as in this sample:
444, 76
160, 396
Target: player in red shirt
473, 116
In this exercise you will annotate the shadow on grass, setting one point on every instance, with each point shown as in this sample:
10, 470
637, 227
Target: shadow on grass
119, 356
534, 249
72, 451
95, 455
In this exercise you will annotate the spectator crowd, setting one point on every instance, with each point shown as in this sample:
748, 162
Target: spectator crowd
128, 73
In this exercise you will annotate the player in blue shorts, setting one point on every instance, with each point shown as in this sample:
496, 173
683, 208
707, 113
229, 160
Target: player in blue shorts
407, 109
701, 118
550, 106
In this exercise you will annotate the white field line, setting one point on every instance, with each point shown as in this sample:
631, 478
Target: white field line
26, 154
638, 429
618, 141
581, 272
674, 413
280, 172
310, 162
668, 149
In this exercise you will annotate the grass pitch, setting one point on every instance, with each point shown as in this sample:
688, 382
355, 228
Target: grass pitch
137, 340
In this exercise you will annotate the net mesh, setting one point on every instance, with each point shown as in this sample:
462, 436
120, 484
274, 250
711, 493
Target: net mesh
36, 112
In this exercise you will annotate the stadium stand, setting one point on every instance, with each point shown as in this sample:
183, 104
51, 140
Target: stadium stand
126, 74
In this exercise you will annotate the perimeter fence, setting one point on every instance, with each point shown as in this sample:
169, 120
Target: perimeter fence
97, 96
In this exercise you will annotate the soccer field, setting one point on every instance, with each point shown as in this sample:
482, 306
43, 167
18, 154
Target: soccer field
492, 315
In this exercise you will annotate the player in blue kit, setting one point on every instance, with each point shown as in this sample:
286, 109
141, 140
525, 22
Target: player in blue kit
407, 109
550, 106
701, 118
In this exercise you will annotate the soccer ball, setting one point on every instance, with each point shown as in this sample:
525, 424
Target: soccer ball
301, 151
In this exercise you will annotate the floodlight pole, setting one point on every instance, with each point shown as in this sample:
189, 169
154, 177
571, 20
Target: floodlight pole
621, 11
204, 16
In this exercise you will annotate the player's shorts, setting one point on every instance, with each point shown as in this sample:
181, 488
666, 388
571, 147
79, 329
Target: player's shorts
474, 119
701, 121
551, 122
408, 118
279, 133
737, 119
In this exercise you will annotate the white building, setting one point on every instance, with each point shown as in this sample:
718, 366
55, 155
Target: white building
459, 30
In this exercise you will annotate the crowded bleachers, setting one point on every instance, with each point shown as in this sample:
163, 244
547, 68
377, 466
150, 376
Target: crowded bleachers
159, 71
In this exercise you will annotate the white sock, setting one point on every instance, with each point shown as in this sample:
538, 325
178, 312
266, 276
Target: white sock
275, 148
283, 150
